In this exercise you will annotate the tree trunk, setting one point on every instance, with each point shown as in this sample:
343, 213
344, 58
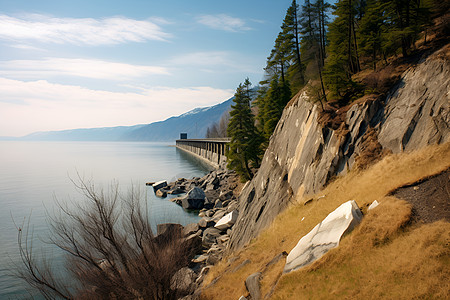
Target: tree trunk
349, 38
297, 43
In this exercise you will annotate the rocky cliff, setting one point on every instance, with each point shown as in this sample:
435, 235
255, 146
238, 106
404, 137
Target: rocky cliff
304, 152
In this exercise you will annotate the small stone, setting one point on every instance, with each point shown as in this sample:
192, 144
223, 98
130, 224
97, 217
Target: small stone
227, 221
161, 193
212, 259
210, 236
219, 215
224, 238
253, 285
190, 229
200, 259
308, 201
206, 222
373, 205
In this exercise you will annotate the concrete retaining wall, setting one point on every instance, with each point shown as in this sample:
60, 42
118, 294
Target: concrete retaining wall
211, 150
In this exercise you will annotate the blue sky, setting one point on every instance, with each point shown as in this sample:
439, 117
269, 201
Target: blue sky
78, 64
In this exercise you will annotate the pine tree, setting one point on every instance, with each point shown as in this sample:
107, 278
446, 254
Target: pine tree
291, 35
314, 21
243, 152
372, 31
343, 59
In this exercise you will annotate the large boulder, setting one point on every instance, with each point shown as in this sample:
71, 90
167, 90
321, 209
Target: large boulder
325, 236
194, 199
227, 220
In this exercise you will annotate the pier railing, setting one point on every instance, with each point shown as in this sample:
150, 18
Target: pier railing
211, 150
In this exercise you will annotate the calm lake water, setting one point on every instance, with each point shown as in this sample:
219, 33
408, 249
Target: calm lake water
33, 174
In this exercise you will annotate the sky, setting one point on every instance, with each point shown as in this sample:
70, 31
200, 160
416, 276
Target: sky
83, 64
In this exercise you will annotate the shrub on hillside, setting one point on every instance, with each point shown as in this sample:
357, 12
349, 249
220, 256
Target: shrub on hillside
111, 251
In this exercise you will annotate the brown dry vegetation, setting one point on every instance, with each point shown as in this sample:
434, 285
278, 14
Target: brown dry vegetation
387, 256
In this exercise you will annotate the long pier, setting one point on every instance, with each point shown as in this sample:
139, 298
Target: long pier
210, 150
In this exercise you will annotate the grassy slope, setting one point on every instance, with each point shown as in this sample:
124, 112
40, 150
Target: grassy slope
385, 257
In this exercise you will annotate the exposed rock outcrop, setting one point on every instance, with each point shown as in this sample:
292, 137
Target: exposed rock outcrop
324, 236
417, 110
303, 155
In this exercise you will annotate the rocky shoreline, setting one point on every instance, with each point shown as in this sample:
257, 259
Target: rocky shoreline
215, 197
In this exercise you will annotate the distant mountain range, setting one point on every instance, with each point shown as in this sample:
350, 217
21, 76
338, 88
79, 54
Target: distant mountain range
194, 123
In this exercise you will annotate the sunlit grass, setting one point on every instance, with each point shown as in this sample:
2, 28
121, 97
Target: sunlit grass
385, 257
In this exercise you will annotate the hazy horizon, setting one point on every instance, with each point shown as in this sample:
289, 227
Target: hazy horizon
69, 65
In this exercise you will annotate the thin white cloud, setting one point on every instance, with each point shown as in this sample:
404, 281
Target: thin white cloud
203, 58
220, 61
81, 31
88, 68
27, 107
223, 22
26, 47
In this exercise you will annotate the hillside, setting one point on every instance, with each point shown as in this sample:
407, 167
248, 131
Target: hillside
83, 134
312, 165
389, 255
194, 123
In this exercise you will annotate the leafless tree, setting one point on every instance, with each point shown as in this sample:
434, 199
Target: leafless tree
219, 129
111, 250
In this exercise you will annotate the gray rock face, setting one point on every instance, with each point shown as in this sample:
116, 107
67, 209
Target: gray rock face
417, 111
194, 199
303, 155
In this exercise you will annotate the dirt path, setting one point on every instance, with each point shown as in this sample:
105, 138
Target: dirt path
430, 197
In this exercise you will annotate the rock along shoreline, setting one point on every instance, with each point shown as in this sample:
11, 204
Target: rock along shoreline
214, 196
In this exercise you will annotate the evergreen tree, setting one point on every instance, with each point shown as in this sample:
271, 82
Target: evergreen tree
243, 152
291, 35
314, 21
343, 59
406, 19
372, 31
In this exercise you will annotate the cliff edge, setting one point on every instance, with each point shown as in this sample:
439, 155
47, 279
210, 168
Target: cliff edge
304, 153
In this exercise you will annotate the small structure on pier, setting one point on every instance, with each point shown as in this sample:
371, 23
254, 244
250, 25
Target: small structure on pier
211, 150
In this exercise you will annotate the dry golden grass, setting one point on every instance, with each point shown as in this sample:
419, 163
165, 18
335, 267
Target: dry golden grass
381, 259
